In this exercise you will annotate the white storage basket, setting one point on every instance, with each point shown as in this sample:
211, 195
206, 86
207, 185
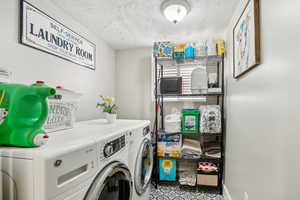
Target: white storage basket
61, 112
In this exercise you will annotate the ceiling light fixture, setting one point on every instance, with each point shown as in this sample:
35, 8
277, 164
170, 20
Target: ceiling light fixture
175, 10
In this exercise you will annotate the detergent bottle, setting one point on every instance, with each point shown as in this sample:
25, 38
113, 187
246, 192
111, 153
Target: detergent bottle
23, 111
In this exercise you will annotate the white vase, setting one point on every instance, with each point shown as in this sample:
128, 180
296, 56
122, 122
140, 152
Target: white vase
111, 118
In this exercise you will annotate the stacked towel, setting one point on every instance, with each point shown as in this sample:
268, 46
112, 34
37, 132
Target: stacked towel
191, 148
212, 149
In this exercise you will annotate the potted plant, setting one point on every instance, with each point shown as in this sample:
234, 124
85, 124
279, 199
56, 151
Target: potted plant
109, 108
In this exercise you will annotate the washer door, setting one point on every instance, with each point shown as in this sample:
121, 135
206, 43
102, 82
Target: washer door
143, 167
112, 183
8, 187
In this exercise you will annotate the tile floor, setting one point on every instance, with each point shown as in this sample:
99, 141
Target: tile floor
176, 192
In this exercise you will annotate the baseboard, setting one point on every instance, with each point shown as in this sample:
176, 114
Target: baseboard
226, 193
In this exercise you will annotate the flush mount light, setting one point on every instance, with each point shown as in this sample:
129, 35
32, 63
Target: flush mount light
175, 10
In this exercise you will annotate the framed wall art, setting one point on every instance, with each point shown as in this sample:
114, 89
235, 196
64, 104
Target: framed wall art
246, 40
42, 32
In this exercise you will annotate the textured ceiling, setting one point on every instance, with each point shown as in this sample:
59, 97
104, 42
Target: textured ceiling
137, 23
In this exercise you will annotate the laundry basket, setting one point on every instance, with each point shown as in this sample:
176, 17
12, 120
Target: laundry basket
61, 112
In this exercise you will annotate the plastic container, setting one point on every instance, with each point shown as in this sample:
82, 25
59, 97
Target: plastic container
173, 123
190, 121
212, 48
24, 110
221, 47
62, 108
199, 81
190, 51
201, 49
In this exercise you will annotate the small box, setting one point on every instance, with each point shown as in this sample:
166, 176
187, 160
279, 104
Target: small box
163, 49
171, 85
167, 169
179, 51
207, 180
221, 47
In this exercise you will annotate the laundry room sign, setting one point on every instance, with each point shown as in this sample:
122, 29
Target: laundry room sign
42, 32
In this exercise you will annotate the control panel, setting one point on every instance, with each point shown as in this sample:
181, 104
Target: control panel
113, 146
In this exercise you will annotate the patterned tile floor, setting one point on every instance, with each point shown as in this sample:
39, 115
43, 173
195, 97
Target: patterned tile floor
176, 192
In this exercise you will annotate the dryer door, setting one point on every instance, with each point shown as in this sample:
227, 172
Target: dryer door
143, 167
112, 183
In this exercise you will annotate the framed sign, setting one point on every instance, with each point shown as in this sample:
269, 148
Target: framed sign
42, 32
246, 40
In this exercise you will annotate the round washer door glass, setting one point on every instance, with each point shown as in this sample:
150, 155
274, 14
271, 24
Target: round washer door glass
144, 167
113, 183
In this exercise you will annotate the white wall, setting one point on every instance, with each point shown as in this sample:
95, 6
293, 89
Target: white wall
133, 74
29, 65
263, 111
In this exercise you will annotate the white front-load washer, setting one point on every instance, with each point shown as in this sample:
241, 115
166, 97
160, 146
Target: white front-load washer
87, 162
141, 161
61, 170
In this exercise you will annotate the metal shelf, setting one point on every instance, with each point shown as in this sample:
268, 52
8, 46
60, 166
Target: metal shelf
161, 132
192, 95
162, 63
202, 159
198, 60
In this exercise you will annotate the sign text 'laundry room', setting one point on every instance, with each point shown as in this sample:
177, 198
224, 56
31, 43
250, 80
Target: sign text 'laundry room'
45, 33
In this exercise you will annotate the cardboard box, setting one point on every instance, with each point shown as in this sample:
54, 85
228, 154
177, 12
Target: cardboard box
207, 180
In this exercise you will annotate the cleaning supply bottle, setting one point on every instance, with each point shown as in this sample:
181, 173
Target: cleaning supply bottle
23, 111
190, 51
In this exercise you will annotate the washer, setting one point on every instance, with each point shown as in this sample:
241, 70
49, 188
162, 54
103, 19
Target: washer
141, 161
88, 162
62, 169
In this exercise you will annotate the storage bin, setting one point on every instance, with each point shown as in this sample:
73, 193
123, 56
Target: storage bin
207, 180
61, 111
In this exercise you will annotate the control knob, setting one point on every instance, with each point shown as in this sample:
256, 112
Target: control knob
108, 150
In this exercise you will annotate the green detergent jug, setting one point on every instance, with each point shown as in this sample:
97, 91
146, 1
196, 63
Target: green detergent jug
23, 111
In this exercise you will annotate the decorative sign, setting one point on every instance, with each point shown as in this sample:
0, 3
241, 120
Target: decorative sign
40, 31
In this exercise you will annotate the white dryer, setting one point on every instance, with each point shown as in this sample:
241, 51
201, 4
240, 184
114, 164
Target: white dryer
141, 161
86, 162
113, 180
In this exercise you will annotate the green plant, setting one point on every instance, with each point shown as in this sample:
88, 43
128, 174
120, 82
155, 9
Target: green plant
108, 105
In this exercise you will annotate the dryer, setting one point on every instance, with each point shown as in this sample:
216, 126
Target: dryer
141, 161
113, 180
